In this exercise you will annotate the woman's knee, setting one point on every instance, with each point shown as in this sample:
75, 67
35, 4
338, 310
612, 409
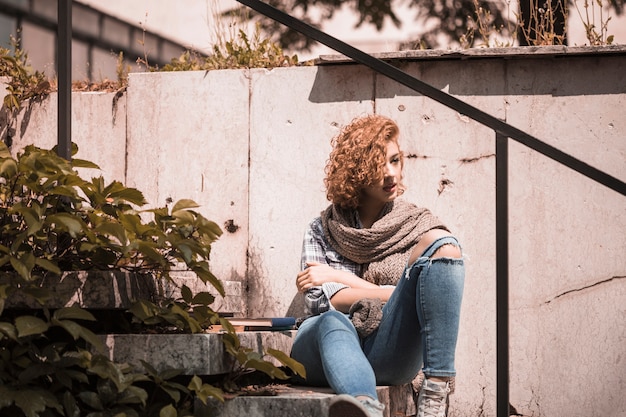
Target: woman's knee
447, 250
335, 318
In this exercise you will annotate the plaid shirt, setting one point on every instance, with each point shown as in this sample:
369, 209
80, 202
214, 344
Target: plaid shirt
315, 248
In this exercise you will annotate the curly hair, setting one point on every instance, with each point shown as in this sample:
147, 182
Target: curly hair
358, 158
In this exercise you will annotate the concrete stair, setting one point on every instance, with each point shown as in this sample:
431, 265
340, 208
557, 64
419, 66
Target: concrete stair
199, 354
203, 354
297, 401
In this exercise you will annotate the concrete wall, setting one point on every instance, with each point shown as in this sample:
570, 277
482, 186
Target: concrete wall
250, 147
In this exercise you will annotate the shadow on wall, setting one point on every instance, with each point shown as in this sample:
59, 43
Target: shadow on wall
508, 77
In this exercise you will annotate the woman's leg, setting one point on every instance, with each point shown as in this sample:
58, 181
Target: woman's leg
329, 348
420, 320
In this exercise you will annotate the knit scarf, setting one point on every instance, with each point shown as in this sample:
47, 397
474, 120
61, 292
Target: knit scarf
384, 248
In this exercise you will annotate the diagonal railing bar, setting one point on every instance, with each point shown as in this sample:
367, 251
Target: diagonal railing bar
446, 99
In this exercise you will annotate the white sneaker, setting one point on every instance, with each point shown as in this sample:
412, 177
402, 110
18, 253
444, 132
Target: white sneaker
344, 405
433, 399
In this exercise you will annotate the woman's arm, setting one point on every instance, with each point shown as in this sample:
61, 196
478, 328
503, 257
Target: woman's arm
343, 299
317, 274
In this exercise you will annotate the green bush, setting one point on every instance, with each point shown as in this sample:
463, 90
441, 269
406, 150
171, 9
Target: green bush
51, 362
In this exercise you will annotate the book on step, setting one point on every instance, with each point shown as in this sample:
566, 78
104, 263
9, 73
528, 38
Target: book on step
261, 323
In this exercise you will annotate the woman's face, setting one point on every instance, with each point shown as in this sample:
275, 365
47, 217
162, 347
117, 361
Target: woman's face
387, 189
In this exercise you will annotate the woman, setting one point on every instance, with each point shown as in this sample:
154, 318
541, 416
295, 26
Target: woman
369, 249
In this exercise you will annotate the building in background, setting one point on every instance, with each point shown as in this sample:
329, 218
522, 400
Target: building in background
98, 39
159, 30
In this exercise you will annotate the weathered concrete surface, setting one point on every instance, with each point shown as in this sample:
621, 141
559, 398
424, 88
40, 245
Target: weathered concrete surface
119, 290
189, 140
196, 354
232, 301
302, 402
98, 128
90, 290
261, 138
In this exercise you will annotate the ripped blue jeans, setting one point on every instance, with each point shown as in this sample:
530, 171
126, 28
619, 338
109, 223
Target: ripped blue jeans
418, 330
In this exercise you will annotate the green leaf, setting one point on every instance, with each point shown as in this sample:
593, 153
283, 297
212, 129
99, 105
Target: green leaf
115, 230
67, 222
9, 330
184, 204
130, 195
4, 149
64, 190
202, 270
105, 369
73, 313
186, 252
82, 163
31, 216
168, 411
34, 401
174, 393
69, 403
286, 360
183, 217
133, 395
48, 265
143, 309
91, 338
204, 298
203, 391
70, 326
30, 325
91, 399
186, 294
267, 368
20, 268
8, 168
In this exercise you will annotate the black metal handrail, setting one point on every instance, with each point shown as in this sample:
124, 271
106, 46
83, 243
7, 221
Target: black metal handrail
64, 74
504, 132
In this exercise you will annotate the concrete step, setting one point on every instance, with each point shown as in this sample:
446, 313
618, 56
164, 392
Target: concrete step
118, 290
196, 354
296, 401
204, 354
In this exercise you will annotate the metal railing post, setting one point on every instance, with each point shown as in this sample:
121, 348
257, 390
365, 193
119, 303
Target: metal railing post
64, 76
502, 275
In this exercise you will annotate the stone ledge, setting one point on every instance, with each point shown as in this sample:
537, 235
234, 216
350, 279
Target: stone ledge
115, 290
195, 354
88, 289
296, 401
524, 52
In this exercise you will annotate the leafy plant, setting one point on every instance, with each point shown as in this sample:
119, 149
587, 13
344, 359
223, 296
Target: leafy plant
24, 83
47, 368
238, 52
52, 220
249, 360
51, 362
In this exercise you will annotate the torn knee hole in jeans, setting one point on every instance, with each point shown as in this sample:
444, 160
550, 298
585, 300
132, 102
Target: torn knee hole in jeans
447, 250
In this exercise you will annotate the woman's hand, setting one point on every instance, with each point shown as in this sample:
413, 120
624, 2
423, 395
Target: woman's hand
317, 274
